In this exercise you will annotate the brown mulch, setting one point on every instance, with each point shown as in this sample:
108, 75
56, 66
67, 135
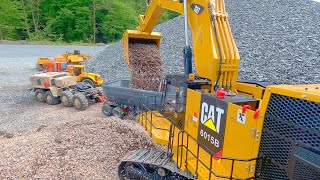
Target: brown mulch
84, 148
146, 66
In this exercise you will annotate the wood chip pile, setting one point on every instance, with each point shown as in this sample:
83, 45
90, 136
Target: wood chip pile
86, 148
146, 66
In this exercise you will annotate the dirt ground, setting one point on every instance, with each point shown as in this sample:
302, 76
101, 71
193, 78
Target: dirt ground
39, 141
18, 108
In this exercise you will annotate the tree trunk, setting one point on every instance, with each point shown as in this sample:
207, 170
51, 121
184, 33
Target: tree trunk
38, 13
94, 21
25, 18
1, 38
34, 20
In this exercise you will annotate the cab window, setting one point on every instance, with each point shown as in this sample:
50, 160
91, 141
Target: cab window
174, 99
77, 71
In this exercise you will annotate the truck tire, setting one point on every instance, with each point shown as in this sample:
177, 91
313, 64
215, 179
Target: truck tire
66, 98
107, 109
89, 81
39, 93
80, 102
117, 111
50, 99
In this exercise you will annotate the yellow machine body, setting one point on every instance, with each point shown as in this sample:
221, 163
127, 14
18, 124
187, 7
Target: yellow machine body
43, 60
76, 58
193, 146
208, 136
80, 73
241, 139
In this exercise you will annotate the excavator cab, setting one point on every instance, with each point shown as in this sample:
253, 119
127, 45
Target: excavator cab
76, 52
174, 99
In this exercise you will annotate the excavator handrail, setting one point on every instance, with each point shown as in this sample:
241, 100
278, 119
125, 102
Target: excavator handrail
171, 135
199, 144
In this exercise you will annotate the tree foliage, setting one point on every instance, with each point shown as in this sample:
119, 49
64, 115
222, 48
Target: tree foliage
120, 17
70, 20
11, 19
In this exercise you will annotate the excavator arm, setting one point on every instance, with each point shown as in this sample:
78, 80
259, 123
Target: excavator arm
215, 53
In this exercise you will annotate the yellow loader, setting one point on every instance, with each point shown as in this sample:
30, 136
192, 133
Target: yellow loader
82, 76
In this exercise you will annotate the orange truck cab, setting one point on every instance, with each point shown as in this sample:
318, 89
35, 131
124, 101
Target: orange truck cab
52, 66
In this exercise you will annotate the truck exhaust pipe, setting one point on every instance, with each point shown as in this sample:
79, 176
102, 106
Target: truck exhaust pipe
187, 55
187, 52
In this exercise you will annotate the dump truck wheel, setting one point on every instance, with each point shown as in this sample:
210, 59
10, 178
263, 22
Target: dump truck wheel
117, 112
89, 81
40, 95
39, 67
66, 98
107, 109
50, 99
80, 101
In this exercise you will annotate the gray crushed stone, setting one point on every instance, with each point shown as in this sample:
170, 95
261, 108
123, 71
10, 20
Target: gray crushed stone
278, 41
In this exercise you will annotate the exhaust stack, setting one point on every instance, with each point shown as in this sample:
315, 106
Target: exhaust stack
187, 52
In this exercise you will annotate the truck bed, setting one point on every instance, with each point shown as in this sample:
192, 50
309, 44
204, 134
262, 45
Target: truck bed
120, 92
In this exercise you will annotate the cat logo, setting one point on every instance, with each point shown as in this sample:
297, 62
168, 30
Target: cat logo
212, 122
198, 9
208, 116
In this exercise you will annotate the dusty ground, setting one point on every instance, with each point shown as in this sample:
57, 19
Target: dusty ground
54, 142
18, 108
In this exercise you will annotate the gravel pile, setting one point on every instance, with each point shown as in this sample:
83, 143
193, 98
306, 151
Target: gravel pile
278, 41
146, 67
85, 148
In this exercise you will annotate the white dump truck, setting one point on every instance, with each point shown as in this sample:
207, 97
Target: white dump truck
56, 87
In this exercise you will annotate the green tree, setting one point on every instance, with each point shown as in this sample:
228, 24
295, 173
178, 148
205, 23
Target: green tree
120, 16
11, 20
70, 20
73, 22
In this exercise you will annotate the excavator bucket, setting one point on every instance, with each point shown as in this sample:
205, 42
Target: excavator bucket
134, 36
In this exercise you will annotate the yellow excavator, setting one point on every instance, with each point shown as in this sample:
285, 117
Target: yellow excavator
214, 126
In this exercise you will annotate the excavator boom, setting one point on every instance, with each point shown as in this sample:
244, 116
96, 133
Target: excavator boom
215, 54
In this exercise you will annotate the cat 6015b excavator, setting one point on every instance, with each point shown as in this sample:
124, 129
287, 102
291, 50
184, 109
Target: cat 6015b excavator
214, 126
